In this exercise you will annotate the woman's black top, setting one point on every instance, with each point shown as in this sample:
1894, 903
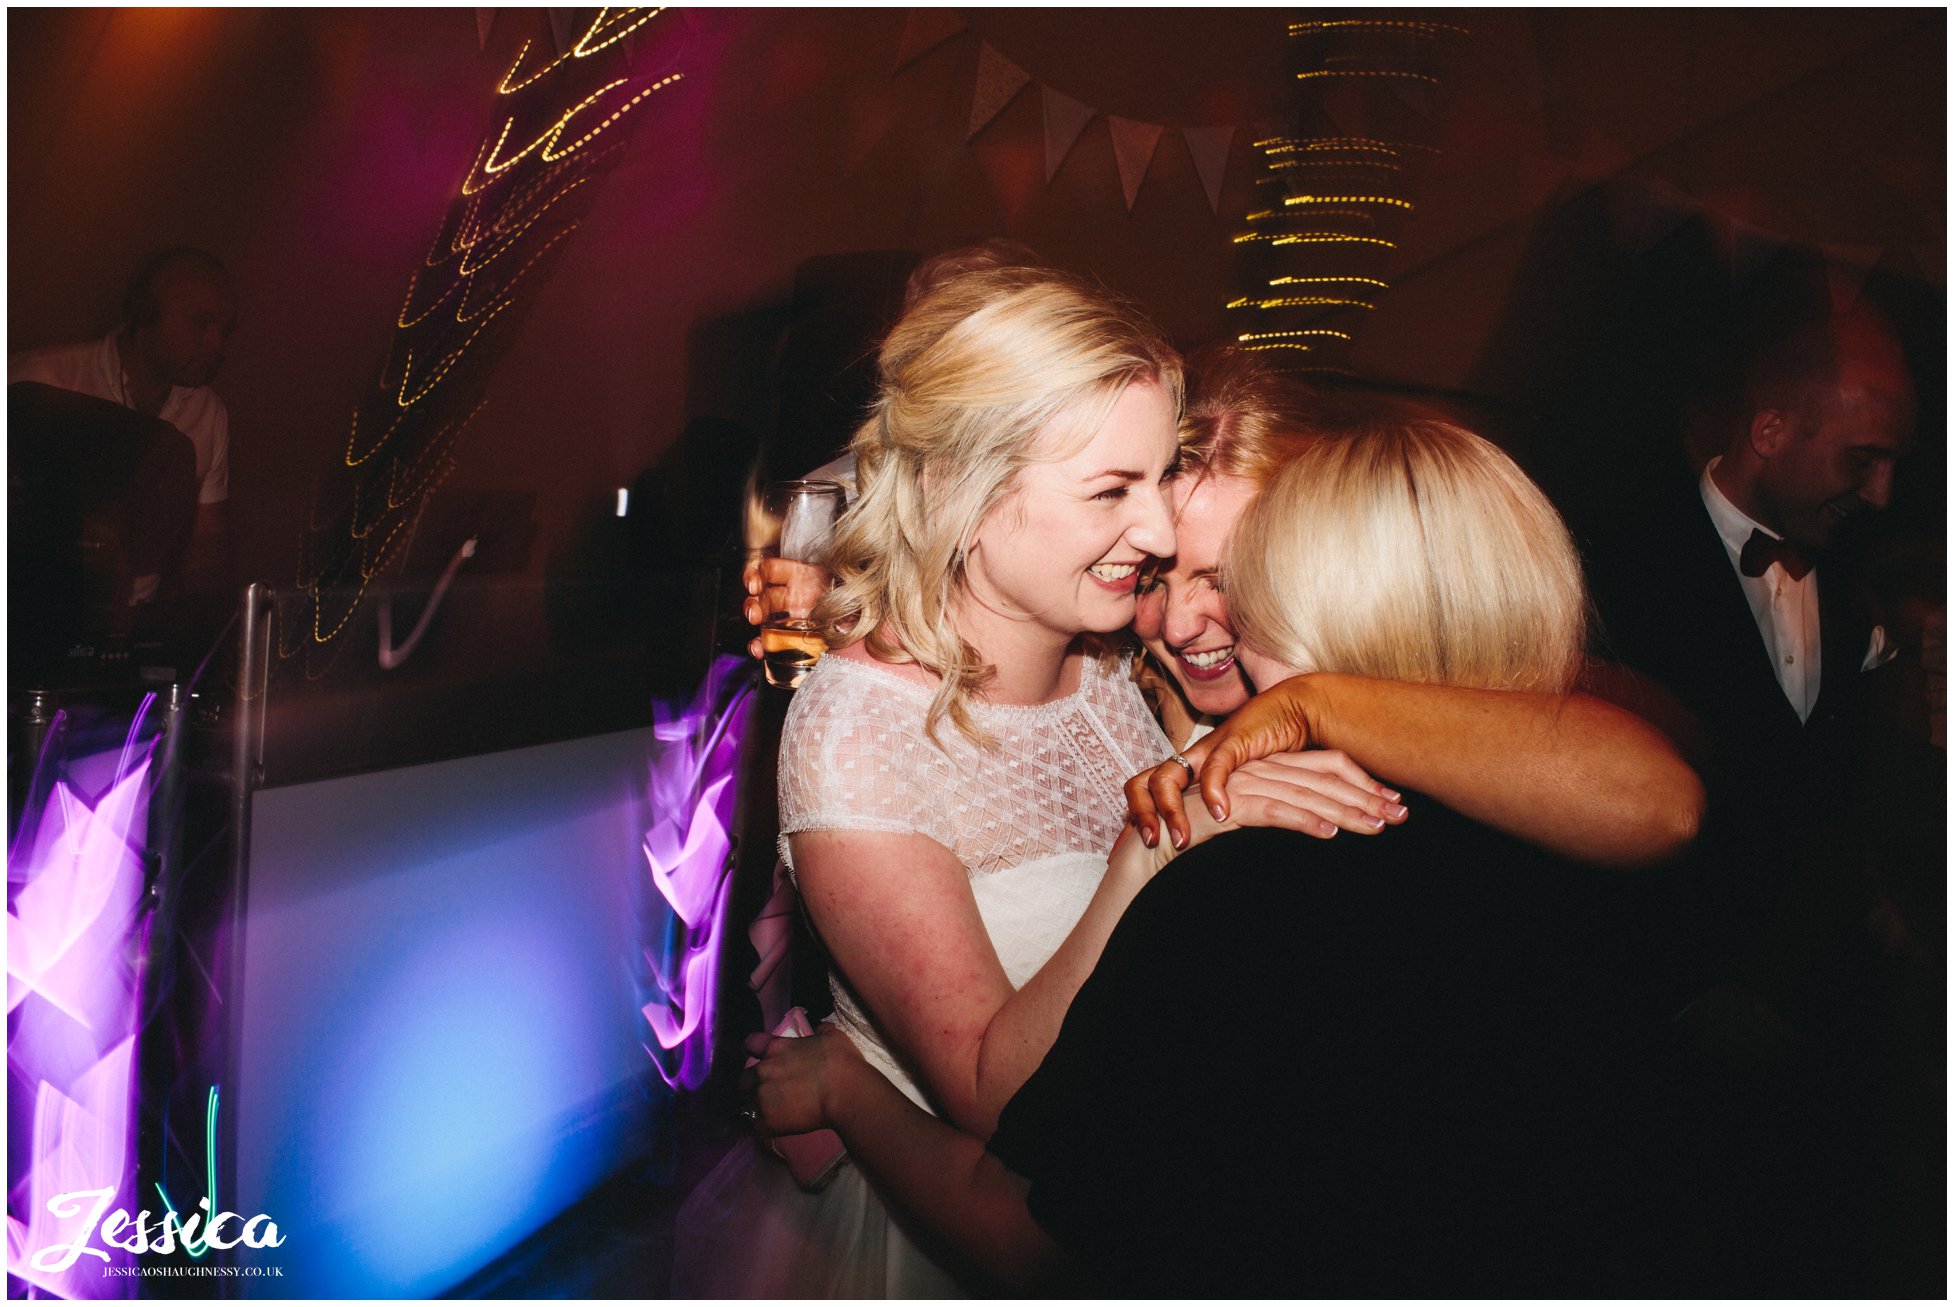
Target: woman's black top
1387, 1065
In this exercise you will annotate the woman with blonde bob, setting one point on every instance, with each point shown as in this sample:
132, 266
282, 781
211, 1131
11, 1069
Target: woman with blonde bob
951, 772
1308, 1069
1427, 504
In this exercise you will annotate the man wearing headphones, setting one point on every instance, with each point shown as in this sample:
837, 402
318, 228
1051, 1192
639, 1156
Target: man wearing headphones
178, 313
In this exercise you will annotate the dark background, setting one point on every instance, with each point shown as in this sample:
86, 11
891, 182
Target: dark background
316, 152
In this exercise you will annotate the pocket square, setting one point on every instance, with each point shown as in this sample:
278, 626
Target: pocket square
1879, 651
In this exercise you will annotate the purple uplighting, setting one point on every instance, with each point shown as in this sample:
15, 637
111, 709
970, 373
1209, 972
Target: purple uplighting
75, 891
694, 762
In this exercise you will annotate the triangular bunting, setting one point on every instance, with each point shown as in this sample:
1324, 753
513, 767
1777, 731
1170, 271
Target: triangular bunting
1209, 146
563, 29
1065, 118
998, 83
925, 29
484, 19
1133, 147
1846, 270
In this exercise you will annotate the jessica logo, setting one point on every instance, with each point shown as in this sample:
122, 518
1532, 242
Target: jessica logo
138, 1235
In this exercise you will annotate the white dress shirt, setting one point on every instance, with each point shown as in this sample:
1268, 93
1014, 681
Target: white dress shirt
1786, 611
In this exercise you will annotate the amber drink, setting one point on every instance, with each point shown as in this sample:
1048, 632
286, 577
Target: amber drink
789, 648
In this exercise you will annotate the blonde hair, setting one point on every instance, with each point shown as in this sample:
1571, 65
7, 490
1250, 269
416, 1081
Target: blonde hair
973, 377
1412, 550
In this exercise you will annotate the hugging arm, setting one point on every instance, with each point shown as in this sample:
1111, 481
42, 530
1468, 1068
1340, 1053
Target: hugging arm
896, 914
1571, 773
963, 1198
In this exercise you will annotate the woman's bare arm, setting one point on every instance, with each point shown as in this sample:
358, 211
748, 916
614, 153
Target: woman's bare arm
1570, 773
942, 1179
897, 916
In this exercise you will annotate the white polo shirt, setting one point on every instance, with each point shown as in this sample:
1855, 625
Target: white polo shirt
95, 368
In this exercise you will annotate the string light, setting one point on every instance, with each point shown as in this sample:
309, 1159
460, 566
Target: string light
1284, 144
1331, 238
1386, 24
514, 209
1316, 281
1298, 302
446, 365
582, 49
1311, 238
1288, 165
1248, 336
1367, 72
1347, 199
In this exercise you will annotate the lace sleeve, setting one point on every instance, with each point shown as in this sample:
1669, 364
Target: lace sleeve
853, 756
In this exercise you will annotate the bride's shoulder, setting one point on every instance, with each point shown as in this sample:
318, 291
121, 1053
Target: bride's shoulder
857, 656
847, 691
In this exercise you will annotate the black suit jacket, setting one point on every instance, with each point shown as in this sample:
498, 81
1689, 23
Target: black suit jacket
1673, 610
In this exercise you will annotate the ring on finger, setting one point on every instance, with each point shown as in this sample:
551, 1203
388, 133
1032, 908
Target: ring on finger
1181, 758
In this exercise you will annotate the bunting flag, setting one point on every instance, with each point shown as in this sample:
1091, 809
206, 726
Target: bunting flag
1133, 147
998, 83
484, 19
1209, 146
564, 29
925, 29
1065, 118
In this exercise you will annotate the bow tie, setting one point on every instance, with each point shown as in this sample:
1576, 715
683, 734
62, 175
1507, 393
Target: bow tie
1761, 550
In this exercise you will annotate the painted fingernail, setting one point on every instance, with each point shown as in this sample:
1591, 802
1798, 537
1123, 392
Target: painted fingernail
1219, 815
1389, 793
1148, 836
1180, 840
1395, 811
1375, 823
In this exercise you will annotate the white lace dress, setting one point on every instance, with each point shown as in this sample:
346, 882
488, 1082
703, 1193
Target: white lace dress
1031, 820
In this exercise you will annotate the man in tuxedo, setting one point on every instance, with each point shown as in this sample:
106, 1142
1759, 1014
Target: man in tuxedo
1734, 596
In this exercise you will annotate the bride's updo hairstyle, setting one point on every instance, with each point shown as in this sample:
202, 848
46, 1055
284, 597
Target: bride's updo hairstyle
980, 368
1412, 550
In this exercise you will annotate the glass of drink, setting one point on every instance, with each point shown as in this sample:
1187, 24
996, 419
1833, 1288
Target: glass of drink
796, 527
789, 648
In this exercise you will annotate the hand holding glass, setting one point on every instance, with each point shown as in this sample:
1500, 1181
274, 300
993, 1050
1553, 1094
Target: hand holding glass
793, 575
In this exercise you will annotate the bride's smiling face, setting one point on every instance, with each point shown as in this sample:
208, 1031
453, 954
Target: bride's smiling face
1064, 551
